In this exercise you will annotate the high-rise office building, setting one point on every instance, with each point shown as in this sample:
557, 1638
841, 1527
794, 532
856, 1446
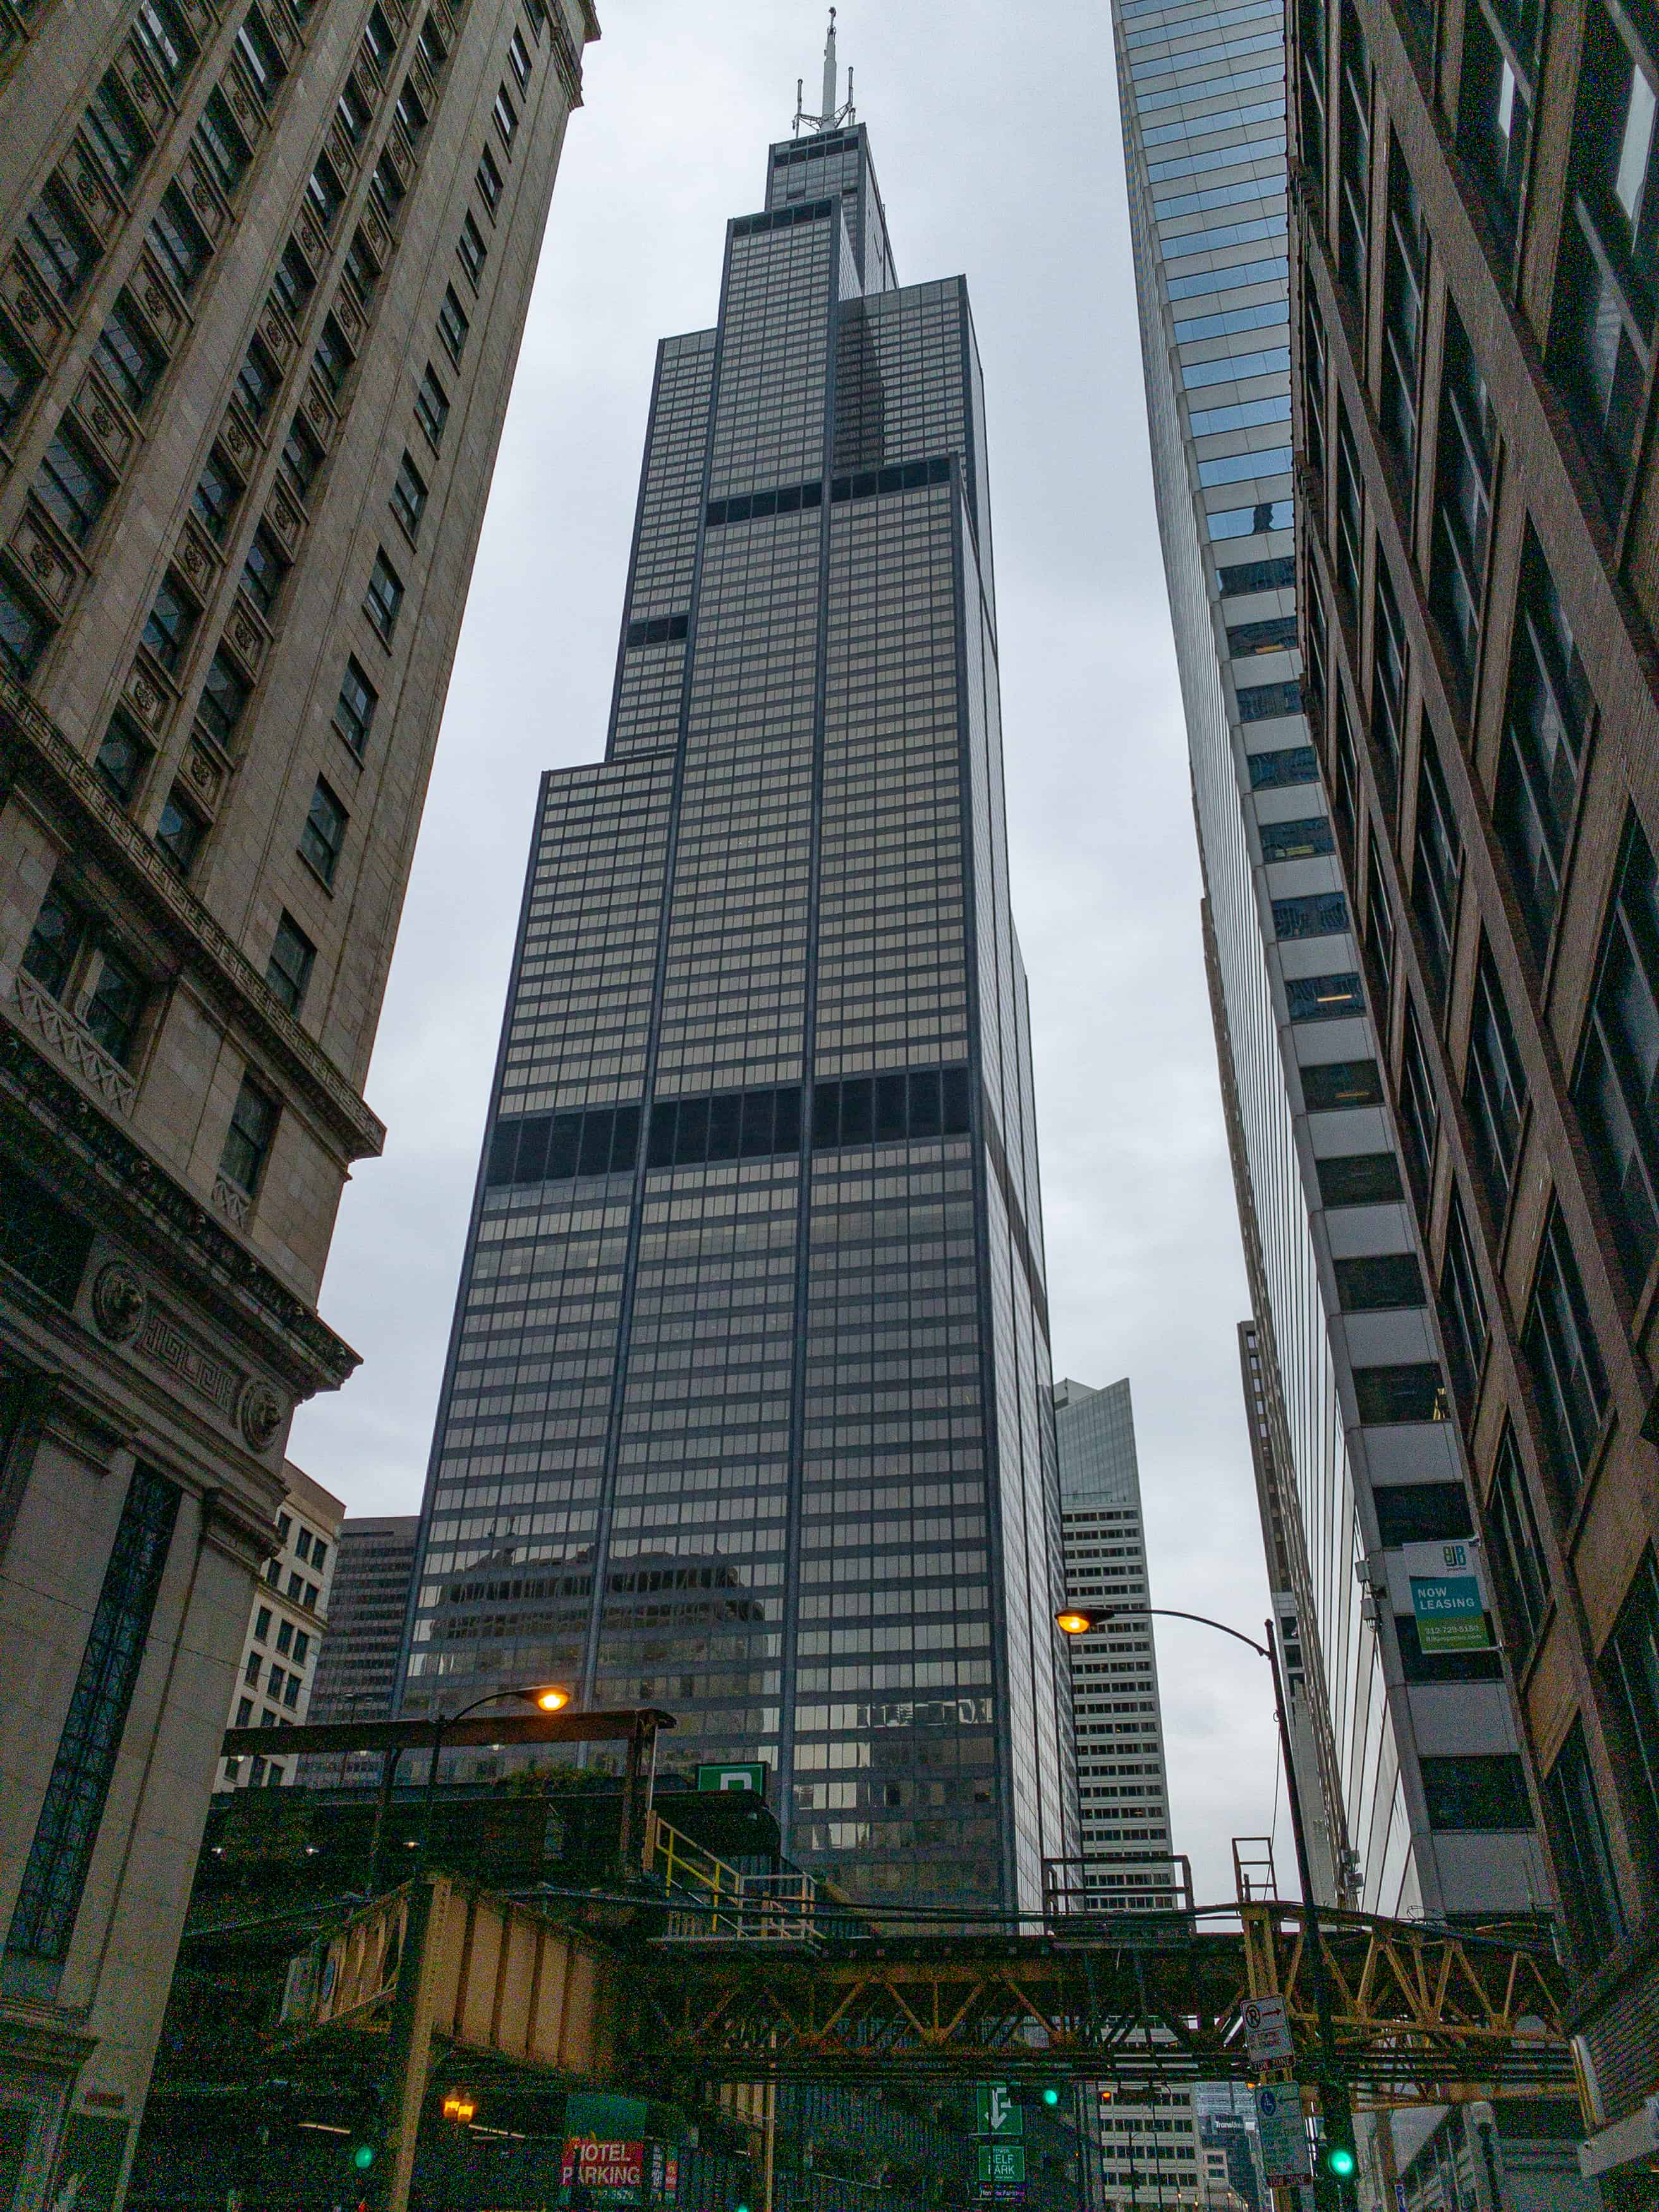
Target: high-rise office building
1136, 2151
1480, 532
1123, 1793
746, 1410
265, 268
356, 1676
1414, 1753
287, 1626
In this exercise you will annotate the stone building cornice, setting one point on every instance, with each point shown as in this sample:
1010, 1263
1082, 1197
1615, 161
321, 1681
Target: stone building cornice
79, 1150
41, 757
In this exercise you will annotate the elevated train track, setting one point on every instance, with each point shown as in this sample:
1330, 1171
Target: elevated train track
620, 1988
1423, 2015
691, 1978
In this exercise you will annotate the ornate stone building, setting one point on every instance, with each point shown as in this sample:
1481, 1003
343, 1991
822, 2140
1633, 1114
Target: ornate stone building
264, 269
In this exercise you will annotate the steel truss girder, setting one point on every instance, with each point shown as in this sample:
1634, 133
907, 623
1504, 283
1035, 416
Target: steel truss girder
1422, 2014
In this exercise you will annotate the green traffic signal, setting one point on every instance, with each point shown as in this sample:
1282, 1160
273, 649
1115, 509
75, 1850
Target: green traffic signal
1339, 2160
362, 2157
1051, 2096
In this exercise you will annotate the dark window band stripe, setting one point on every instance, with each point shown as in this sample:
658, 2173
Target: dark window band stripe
907, 1106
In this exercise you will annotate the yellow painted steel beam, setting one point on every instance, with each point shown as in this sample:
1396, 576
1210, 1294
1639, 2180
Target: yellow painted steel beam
1421, 2014
505, 1979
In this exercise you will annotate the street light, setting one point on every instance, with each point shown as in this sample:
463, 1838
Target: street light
548, 1697
1338, 2164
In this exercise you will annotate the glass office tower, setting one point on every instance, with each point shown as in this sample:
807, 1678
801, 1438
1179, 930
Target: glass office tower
1411, 1753
746, 1413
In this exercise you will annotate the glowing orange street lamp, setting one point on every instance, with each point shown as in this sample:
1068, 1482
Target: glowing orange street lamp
1074, 1621
549, 1697
460, 2105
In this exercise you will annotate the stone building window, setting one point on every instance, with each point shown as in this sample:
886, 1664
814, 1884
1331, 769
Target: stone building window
288, 971
384, 598
248, 1139
324, 833
1616, 1090
354, 712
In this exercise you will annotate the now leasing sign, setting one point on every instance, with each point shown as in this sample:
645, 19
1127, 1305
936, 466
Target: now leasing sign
1448, 1603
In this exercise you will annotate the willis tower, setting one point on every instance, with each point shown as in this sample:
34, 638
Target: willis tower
747, 1411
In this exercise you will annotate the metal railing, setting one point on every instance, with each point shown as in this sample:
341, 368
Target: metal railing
713, 1901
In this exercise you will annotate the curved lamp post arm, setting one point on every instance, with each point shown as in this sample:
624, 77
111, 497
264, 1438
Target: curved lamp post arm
1169, 1613
440, 1721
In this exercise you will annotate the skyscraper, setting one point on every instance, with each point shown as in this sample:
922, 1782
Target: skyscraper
746, 1408
356, 1672
1123, 1787
1481, 541
356, 1676
265, 270
1414, 1751
1146, 2151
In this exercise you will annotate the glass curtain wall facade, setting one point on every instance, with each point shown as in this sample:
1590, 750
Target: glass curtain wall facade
1420, 1811
747, 1407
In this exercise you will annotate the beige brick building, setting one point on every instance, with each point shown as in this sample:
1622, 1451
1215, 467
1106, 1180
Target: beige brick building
1474, 242
264, 269
286, 1623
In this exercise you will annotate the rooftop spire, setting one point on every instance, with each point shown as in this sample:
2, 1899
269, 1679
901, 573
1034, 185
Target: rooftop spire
830, 117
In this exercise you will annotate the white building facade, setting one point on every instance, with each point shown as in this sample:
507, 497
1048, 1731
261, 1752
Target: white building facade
285, 1629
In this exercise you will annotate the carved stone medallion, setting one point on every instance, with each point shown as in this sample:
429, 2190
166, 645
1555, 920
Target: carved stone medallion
117, 1302
260, 1414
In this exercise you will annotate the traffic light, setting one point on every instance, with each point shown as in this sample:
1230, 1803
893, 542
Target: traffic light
1337, 2160
1051, 2096
362, 2157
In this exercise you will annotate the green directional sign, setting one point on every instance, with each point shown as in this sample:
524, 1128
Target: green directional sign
997, 2114
747, 1774
1002, 2162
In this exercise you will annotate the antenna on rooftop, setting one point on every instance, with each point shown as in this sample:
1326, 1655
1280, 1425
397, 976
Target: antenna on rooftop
830, 117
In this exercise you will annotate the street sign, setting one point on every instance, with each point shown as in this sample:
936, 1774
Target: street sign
744, 1774
1282, 2133
665, 2176
1002, 2162
612, 2172
997, 2114
1448, 1603
1267, 2030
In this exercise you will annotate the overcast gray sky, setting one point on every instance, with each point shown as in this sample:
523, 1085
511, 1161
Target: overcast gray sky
996, 136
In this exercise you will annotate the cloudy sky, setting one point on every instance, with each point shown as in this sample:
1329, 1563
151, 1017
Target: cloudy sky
995, 134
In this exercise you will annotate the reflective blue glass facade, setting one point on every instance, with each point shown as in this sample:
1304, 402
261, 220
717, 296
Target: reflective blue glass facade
1356, 1454
746, 1413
